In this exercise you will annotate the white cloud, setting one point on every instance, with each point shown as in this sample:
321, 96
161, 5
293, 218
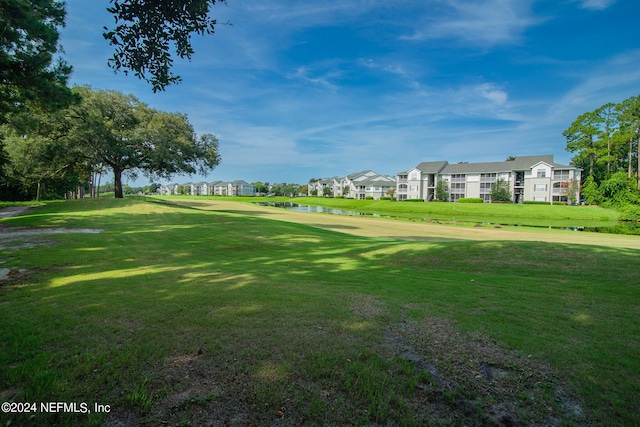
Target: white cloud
304, 74
478, 22
595, 4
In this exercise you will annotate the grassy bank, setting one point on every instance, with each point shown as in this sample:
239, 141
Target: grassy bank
534, 215
175, 314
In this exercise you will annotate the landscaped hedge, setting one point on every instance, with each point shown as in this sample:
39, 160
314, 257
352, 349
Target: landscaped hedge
414, 200
470, 200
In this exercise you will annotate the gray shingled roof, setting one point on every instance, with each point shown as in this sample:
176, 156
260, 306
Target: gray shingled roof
432, 167
519, 164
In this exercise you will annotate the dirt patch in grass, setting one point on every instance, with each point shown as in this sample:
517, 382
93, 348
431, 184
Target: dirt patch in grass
456, 379
471, 380
16, 238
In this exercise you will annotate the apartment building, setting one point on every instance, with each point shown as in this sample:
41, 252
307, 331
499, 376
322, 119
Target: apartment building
359, 185
530, 178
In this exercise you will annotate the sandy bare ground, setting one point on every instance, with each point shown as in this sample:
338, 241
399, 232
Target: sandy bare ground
408, 230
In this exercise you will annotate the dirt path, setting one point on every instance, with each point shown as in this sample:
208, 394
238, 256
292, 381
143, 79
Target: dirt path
14, 211
14, 238
409, 230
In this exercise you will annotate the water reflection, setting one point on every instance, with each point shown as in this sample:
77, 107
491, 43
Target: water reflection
304, 208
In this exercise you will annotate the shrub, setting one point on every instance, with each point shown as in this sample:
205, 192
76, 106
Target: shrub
531, 202
630, 213
500, 191
414, 200
369, 198
386, 198
470, 200
442, 191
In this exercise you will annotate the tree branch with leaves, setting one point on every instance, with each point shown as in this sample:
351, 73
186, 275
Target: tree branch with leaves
146, 30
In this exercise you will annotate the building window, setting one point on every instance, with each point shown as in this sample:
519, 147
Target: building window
561, 175
542, 173
540, 187
414, 176
485, 187
458, 177
488, 177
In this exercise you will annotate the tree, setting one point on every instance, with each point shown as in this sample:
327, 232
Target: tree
619, 190
442, 191
591, 192
145, 31
629, 116
391, 193
607, 117
39, 156
582, 136
606, 140
500, 191
571, 189
28, 43
124, 134
37, 163
326, 191
261, 188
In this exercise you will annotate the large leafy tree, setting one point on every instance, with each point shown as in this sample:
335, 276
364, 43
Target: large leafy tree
28, 45
39, 156
124, 134
145, 31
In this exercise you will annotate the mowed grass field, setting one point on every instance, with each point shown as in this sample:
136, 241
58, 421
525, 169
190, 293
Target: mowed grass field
176, 312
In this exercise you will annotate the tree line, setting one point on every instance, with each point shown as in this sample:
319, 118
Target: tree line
606, 143
48, 152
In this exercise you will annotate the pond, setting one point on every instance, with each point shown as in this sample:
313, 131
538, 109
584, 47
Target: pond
629, 228
318, 209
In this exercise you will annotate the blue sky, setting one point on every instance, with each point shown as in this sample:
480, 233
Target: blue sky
318, 88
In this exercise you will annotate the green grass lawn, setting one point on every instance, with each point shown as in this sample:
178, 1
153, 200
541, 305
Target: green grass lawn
174, 315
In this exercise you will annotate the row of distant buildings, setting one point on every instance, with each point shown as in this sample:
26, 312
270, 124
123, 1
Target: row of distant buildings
215, 188
529, 178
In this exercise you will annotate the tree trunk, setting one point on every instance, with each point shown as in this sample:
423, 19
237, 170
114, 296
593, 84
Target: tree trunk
630, 157
117, 183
